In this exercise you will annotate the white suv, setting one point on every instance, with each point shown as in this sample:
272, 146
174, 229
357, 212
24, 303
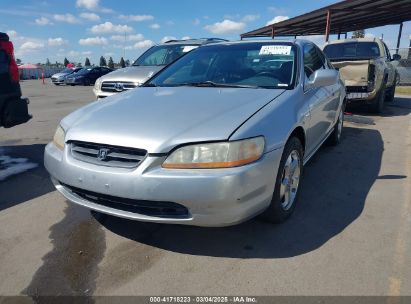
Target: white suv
149, 63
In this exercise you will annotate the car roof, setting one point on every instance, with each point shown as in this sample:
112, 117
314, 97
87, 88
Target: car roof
199, 41
299, 42
367, 39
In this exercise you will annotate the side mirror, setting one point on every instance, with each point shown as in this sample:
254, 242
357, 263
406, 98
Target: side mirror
396, 57
322, 78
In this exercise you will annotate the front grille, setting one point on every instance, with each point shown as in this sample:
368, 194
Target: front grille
149, 208
107, 155
117, 86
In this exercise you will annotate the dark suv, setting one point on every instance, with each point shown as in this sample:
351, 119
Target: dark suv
86, 76
13, 108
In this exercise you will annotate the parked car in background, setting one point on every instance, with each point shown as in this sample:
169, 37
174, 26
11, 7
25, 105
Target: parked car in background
86, 76
13, 108
60, 78
366, 66
149, 63
216, 138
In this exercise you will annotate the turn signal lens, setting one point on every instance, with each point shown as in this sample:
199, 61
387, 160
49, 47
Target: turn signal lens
216, 155
59, 138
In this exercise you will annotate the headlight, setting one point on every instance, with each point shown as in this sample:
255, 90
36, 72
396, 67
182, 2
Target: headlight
97, 84
59, 138
216, 155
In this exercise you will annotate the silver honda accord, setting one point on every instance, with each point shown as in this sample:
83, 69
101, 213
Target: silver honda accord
218, 137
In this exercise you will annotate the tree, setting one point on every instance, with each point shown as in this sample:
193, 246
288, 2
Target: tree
358, 34
78, 65
47, 62
103, 61
127, 62
18, 61
87, 63
66, 62
122, 62
111, 63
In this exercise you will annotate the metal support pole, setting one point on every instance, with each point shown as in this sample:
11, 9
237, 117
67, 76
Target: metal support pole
272, 31
339, 34
399, 38
327, 30
346, 36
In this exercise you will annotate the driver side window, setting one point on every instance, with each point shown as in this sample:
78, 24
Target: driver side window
312, 61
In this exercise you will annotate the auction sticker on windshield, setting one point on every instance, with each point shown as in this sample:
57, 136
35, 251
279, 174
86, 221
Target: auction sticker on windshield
188, 48
275, 50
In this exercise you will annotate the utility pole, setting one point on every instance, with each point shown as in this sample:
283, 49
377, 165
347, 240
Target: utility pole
124, 47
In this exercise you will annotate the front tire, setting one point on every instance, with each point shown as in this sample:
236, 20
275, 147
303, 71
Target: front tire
335, 137
287, 183
86, 82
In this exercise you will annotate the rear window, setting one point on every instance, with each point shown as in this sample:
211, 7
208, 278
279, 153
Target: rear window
352, 50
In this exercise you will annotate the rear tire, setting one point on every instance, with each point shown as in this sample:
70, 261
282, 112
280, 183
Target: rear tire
391, 93
287, 183
378, 104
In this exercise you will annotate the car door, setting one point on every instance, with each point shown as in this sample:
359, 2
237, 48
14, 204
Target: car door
94, 74
334, 91
390, 66
319, 99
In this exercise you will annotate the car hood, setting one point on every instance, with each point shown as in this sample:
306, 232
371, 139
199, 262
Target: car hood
158, 119
60, 74
137, 74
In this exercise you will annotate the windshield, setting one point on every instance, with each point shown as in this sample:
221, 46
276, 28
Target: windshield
352, 50
67, 71
163, 54
255, 65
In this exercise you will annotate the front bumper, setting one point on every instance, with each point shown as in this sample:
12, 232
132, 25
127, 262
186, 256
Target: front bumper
58, 80
101, 94
360, 94
213, 197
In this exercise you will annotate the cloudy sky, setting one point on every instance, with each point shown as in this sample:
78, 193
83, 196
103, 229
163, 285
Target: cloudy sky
77, 29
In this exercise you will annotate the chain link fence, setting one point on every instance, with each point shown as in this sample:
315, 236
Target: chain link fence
403, 65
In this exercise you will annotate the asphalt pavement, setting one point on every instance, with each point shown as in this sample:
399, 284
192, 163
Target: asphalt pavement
350, 233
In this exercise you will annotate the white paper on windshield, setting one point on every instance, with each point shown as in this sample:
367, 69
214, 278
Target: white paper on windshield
188, 48
275, 50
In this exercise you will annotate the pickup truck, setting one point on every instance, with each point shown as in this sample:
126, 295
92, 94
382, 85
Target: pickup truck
13, 108
366, 67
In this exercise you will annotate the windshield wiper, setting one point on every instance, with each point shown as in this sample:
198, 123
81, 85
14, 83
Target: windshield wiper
209, 83
150, 85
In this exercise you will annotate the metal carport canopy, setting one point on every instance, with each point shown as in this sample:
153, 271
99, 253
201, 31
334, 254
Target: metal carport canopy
342, 17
